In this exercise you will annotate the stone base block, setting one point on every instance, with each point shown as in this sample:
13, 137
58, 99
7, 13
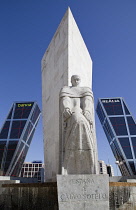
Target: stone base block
78, 192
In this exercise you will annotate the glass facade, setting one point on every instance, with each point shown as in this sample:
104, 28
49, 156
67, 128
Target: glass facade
16, 135
120, 129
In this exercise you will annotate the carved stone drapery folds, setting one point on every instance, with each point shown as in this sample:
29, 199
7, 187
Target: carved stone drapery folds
78, 147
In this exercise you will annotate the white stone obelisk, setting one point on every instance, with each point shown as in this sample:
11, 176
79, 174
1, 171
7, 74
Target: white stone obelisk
65, 56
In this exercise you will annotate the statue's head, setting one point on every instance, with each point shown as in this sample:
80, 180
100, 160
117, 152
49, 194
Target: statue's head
75, 80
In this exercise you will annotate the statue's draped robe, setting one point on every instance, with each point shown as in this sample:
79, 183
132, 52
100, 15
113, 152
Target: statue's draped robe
78, 137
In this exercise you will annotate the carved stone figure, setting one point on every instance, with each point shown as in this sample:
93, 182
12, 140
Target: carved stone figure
77, 141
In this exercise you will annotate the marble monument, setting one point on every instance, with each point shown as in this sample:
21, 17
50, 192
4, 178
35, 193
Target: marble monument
65, 56
69, 123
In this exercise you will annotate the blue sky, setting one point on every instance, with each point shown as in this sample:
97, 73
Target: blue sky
109, 31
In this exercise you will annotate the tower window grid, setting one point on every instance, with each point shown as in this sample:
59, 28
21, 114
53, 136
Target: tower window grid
120, 129
16, 135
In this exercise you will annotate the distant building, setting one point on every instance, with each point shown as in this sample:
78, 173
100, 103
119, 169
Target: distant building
33, 169
102, 167
120, 129
16, 135
110, 170
105, 169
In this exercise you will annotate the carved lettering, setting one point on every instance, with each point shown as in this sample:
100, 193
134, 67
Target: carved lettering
81, 181
72, 196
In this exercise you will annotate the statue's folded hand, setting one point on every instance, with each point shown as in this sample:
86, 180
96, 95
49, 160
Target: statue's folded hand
67, 113
87, 115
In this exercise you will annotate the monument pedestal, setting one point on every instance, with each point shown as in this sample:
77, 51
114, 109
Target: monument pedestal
78, 192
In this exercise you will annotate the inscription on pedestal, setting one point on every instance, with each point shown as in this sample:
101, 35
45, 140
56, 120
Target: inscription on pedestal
83, 191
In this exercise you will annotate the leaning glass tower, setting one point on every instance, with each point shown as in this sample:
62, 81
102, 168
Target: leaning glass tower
120, 129
16, 135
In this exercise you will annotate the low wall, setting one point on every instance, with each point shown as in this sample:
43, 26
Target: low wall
40, 196
122, 196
